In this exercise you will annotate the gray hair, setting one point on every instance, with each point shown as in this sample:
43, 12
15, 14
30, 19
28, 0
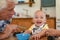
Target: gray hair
15, 1
3, 3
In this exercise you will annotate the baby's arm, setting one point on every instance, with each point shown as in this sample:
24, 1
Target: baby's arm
42, 33
39, 35
28, 31
53, 32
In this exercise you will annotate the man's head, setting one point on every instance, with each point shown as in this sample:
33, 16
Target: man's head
6, 9
39, 18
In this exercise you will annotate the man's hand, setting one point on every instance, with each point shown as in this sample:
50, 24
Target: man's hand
10, 27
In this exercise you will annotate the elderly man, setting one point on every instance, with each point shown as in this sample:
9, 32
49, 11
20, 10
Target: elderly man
6, 13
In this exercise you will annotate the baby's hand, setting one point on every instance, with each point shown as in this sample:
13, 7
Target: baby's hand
39, 35
27, 31
36, 36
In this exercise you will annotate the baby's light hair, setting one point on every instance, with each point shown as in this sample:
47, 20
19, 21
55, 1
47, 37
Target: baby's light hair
40, 11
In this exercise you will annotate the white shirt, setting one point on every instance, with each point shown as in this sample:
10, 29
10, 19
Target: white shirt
36, 29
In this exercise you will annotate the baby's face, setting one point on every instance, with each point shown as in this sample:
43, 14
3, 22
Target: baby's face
39, 18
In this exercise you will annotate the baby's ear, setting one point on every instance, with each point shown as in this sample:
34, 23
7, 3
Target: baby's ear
45, 20
33, 20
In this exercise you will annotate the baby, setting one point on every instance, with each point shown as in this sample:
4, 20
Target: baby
39, 25
39, 21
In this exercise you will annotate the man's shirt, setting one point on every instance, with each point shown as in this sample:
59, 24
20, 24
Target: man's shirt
2, 24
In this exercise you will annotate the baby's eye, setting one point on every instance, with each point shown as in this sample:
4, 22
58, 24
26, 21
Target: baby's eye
41, 17
36, 17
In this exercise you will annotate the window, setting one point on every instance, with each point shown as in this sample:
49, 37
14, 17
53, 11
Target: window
20, 1
48, 3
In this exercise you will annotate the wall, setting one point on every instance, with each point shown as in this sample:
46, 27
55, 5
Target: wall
21, 9
58, 14
51, 11
24, 9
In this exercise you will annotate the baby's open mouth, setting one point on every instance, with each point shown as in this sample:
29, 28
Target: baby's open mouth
39, 22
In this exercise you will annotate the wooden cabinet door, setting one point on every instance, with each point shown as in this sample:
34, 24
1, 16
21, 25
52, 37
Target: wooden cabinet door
27, 22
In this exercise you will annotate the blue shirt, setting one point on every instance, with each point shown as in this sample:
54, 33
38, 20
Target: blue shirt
2, 24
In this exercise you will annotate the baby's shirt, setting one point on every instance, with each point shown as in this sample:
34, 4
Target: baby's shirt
36, 29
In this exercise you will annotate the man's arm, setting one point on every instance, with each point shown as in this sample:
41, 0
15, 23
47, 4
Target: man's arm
53, 32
